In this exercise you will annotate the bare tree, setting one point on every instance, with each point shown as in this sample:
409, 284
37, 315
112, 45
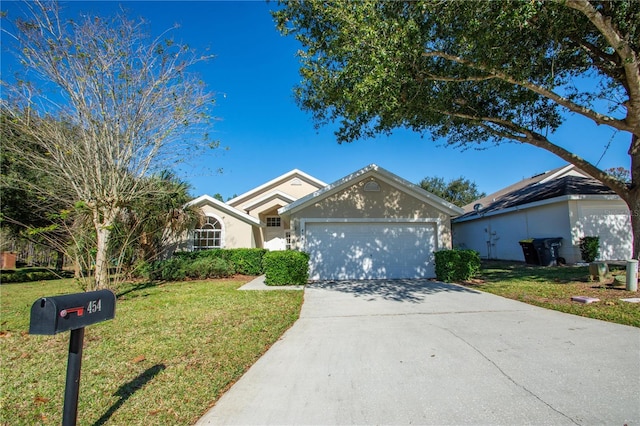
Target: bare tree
107, 104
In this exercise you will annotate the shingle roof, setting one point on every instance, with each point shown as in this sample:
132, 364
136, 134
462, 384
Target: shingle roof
534, 190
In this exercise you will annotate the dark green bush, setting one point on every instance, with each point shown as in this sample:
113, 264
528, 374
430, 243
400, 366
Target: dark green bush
248, 261
170, 270
209, 268
456, 265
216, 263
589, 248
286, 267
27, 275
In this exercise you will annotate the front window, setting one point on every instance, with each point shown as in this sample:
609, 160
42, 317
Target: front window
209, 235
273, 222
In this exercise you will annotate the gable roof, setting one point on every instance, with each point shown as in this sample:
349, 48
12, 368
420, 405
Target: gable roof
537, 191
380, 173
534, 180
206, 199
273, 183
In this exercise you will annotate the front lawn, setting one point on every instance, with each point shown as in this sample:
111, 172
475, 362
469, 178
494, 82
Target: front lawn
553, 287
170, 352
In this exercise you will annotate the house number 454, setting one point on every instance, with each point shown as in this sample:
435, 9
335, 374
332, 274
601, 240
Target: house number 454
94, 306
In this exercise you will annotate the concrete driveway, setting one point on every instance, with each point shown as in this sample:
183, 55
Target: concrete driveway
421, 352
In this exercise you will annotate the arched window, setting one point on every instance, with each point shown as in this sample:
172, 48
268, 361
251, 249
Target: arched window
209, 235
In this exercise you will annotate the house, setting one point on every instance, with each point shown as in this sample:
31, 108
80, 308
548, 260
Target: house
250, 220
564, 202
371, 224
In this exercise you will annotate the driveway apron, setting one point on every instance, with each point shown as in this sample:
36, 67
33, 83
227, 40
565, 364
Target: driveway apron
422, 352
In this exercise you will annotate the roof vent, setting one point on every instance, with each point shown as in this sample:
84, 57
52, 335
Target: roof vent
477, 207
372, 186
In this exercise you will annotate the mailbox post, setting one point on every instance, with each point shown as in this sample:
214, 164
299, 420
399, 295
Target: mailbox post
52, 315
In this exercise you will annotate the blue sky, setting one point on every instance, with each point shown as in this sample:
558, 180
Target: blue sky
253, 75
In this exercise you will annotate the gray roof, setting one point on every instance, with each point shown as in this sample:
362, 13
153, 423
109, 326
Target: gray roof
535, 190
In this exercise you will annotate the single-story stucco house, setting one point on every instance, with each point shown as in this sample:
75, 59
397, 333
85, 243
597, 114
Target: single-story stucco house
371, 224
564, 202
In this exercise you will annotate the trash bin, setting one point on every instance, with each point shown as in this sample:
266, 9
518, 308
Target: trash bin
541, 251
529, 251
547, 249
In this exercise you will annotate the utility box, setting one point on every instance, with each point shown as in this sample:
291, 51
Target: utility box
7, 260
52, 315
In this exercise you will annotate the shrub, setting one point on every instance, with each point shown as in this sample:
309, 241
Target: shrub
456, 265
170, 270
286, 267
27, 275
589, 248
248, 261
209, 268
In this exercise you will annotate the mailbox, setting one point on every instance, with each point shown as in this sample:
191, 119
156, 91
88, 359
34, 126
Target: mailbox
52, 315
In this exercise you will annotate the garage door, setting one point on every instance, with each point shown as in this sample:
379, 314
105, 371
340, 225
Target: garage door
346, 251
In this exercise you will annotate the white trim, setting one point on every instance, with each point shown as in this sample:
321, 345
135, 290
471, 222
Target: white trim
275, 181
557, 174
224, 207
271, 195
381, 174
594, 197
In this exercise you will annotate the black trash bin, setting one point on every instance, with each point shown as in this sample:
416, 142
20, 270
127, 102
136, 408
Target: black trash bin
541, 251
529, 251
547, 249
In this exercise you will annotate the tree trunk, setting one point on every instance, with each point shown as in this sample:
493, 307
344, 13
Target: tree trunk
59, 260
635, 225
103, 221
633, 194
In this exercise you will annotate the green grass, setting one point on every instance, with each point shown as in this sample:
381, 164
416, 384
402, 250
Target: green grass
553, 287
170, 352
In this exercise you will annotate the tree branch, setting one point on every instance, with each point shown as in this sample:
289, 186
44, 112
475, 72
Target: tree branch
520, 134
628, 56
560, 100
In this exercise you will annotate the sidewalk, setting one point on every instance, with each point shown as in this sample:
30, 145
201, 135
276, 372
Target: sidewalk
258, 284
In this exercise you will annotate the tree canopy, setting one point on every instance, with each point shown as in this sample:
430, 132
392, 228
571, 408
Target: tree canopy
459, 191
474, 72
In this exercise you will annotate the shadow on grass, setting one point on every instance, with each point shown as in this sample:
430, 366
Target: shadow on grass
133, 287
494, 271
402, 290
125, 391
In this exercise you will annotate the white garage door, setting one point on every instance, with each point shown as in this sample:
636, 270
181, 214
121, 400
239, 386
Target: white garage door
372, 250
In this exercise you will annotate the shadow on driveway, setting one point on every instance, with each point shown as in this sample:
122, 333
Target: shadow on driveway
402, 290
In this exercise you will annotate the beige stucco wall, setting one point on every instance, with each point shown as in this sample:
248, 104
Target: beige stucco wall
236, 233
295, 186
388, 203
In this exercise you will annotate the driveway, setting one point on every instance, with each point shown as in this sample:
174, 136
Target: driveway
422, 352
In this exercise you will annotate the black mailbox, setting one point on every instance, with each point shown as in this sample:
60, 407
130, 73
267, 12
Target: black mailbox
51, 315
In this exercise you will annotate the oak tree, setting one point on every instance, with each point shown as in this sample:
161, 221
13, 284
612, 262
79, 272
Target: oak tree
475, 72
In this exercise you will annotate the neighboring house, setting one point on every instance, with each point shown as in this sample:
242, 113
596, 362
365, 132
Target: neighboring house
564, 202
370, 224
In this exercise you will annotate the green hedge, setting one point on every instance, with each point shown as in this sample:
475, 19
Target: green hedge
217, 263
456, 265
248, 261
286, 267
28, 275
